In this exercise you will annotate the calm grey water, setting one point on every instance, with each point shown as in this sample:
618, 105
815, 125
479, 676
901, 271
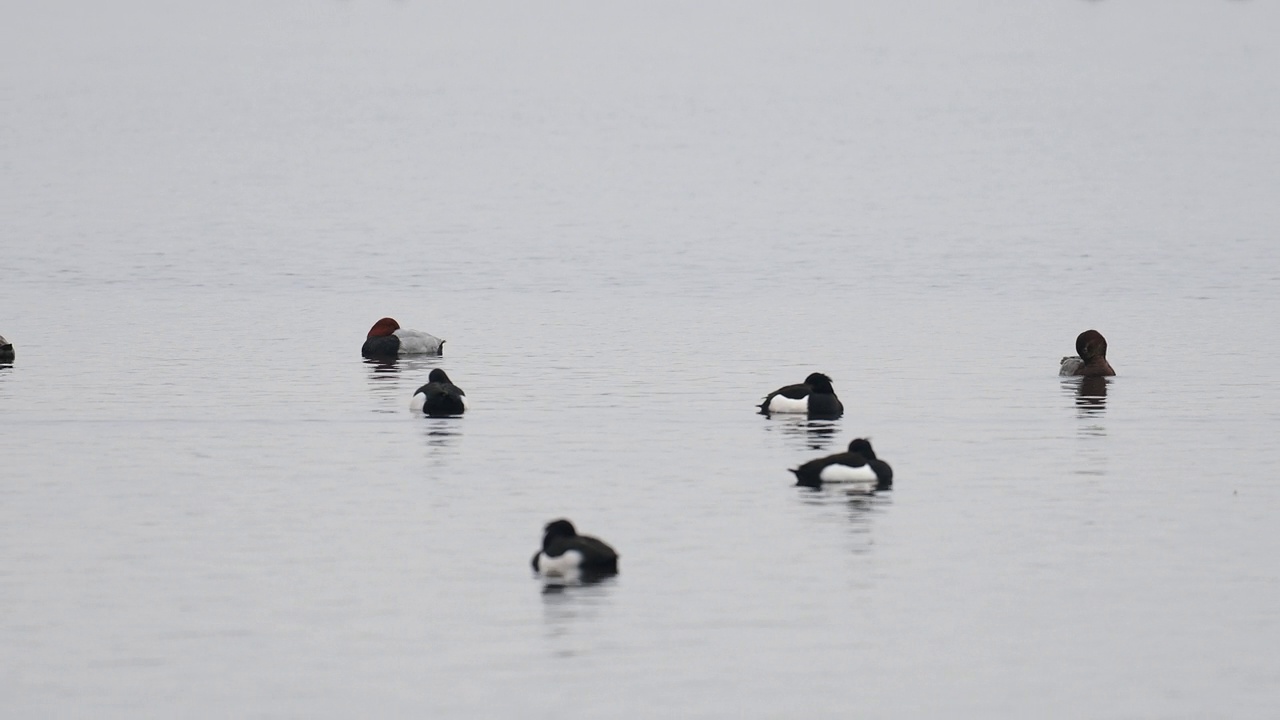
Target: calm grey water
631, 221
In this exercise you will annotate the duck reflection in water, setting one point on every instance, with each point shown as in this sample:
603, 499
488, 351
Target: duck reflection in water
384, 376
859, 504
1090, 394
382, 369
554, 585
856, 492
809, 434
862, 506
573, 612
383, 381
442, 433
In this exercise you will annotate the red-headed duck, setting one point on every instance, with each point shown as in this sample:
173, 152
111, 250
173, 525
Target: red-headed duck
387, 340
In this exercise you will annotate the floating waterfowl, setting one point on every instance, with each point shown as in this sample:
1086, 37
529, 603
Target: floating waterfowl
857, 465
814, 396
1090, 358
439, 397
387, 339
565, 553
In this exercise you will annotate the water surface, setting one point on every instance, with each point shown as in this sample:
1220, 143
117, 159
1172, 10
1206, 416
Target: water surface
630, 223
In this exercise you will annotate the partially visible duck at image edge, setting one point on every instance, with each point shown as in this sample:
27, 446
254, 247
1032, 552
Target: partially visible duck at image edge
6, 350
1090, 358
814, 396
858, 465
565, 552
387, 339
439, 397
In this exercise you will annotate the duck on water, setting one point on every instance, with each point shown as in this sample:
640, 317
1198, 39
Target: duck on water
815, 396
565, 553
1090, 359
386, 339
439, 397
858, 464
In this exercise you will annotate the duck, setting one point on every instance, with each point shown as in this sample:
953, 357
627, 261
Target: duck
387, 339
814, 396
565, 552
1090, 359
858, 464
439, 397
6, 350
